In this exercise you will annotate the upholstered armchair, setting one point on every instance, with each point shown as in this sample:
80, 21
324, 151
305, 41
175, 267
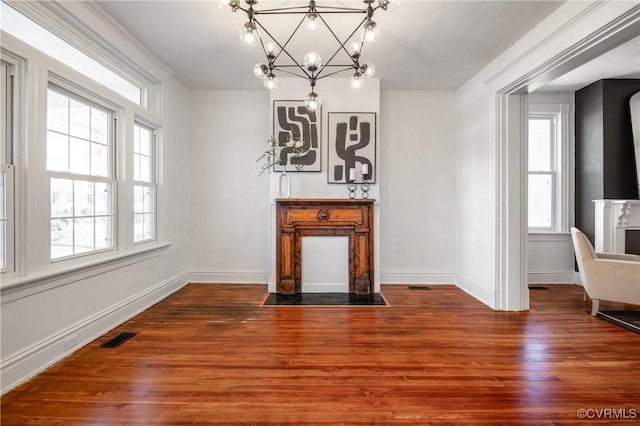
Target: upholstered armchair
606, 276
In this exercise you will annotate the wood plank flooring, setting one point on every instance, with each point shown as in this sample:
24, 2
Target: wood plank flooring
209, 354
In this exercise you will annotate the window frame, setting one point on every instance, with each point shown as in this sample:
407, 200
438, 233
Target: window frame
558, 114
56, 85
55, 28
11, 85
153, 172
9, 219
34, 270
551, 172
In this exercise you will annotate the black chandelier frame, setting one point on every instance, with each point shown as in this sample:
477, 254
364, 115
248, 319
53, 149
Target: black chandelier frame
312, 73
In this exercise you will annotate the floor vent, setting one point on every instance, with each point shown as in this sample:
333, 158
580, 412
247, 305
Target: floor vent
419, 287
537, 287
118, 340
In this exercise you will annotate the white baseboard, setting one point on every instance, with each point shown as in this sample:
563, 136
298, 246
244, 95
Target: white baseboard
484, 295
19, 367
229, 276
541, 277
416, 276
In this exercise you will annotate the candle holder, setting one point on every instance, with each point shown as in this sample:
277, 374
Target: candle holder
351, 186
365, 187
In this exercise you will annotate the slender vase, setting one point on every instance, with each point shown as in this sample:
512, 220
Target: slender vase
284, 185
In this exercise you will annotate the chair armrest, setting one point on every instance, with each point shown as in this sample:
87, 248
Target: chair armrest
614, 280
619, 256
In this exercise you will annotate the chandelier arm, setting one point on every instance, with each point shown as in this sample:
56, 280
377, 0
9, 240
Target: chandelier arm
307, 9
345, 40
342, 43
283, 10
312, 74
238, 7
350, 66
283, 47
279, 68
347, 68
338, 9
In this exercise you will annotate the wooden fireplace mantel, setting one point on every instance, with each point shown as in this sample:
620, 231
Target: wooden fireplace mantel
300, 217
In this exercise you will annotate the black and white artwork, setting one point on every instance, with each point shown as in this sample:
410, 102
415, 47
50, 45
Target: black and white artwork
293, 119
352, 147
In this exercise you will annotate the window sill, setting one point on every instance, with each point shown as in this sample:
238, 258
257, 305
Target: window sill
548, 236
22, 286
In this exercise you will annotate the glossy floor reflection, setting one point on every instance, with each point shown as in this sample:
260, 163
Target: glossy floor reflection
325, 299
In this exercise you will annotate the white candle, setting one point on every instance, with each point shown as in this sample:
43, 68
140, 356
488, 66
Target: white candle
352, 174
365, 169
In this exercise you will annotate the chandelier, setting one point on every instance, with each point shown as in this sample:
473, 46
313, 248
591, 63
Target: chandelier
280, 60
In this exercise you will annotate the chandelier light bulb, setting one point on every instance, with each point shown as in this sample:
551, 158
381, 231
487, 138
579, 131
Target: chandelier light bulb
312, 21
226, 4
261, 70
249, 33
368, 70
312, 61
312, 101
389, 4
371, 31
270, 81
356, 47
357, 81
271, 49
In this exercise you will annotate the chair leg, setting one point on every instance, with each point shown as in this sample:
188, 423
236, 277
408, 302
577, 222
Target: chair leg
595, 305
584, 296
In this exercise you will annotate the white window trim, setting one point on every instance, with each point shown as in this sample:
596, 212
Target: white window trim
57, 85
17, 67
34, 270
10, 265
59, 19
36, 283
154, 175
562, 166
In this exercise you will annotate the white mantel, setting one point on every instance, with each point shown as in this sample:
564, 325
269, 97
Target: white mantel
613, 218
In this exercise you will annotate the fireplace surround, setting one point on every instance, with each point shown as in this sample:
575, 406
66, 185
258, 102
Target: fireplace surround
615, 221
297, 218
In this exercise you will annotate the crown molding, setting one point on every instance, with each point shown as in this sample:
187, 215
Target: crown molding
619, 29
74, 22
109, 21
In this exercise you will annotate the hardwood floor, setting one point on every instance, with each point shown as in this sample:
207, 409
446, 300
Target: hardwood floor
209, 354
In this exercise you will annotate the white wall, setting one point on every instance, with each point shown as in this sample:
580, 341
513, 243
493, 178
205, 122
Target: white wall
490, 169
230, 214
417, 185
44, 316
230, 231
476, 197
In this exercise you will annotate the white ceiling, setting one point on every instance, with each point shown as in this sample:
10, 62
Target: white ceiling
424, 45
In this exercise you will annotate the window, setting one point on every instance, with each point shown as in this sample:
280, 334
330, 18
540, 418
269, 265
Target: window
548, 173
80, 166
7, 225
73, 208
23, 28
144, 188
541, 172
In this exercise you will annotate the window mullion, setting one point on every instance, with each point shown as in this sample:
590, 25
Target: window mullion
74, 219
9, 217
